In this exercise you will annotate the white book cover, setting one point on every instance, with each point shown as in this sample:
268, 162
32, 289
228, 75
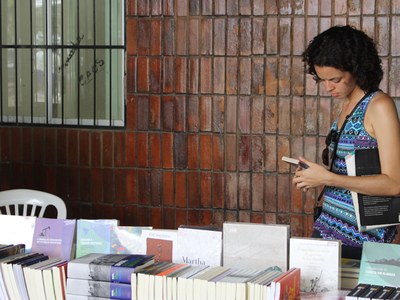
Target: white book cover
255, 246
319, 261
128, 240
93, 236
17, 230
161, 243
199, 247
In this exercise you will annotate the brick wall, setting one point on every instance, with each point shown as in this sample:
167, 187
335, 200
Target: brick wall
216, 94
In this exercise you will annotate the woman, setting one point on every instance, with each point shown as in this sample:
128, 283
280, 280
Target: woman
346, 62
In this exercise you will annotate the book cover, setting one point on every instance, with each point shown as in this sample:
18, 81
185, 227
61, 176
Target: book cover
319, 261
208, 249
17, 230
128, 240
357, 291
384, 293
380, 264
255, 246
371, 211
161, 243
287, 286
108, 267
12, 250
370, 292
93, 236
54, 237
106, 289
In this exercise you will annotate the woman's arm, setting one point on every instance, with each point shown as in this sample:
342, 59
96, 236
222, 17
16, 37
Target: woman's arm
382, 122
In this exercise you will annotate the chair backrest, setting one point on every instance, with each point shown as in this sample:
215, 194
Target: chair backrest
25, 202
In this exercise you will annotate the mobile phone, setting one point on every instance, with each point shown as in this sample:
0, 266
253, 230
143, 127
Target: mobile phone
295, 161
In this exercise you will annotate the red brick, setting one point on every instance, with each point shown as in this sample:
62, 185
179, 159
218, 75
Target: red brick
155, 75
182, 7
244, 191
168, 7
230, 149
193, 151
194, 7
244, 153
168, 89
311, 115
131, 7
395, 39
207, 7
219, 36
167, 151
143, 187
381, 7
257, 83
179, 113
131, 34
180, 74
283, 149
157, 217
156, 7
108, 185
205, 189
245, 7
297, 116
285, 7
258, 39
313, 7
271, 76
245, 36
257, 154
131, 186
119, 149
231, 113
231, 75
271, 7
144, 32
284, 76
232, 37
310, 148
272, 35
131, 74
155, 112
131, 118
383, 35
143, 74
180, 151
244, 118
120, 186
232, 7
194, 39
219, 7
205, 152
62, 147
298, 76
143, 147
324, 115
326, 8
205, 113
96, 178
180, 39
180, 189
257, 114
219, 75
218, 119
84, 148
156, 186
50, 145
168, 36
96, 149
193, 189
218, 152
194, 75
270, 153
257, 192
193, 114
155, 150
37, 144
283, 193
258, 7
168, 188
284, 112
205, 73
245, 76
143, 113
143, 7
218, 189
231, 183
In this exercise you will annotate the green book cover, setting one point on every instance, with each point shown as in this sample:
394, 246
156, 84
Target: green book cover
380, 264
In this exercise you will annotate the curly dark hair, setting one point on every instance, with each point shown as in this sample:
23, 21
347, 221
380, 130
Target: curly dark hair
347, 49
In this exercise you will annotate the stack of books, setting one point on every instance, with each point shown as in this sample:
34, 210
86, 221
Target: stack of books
104, 275
373, 291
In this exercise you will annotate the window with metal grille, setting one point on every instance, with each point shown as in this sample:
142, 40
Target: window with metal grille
62, 62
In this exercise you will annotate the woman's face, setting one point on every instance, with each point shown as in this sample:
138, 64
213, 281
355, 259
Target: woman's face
339, 83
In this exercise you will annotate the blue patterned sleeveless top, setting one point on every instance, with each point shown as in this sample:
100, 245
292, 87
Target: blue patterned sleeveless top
337, 220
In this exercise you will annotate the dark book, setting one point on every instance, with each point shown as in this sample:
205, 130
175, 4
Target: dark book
371, 211
395, 295
370, 292
11, 250
384, 293
357, 291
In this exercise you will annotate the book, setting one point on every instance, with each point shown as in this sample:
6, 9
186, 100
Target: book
395, 294
12, 250
255, 246
54, 237
93, 236
185, 284
371, 211
384, 293
17, 230
286, 286
80, 297
319, 261
295, 161
127, 240
3, 288
357, 291
370, 292
208, 249
161, 243
106, 289
59, 273
380, 264
108, 267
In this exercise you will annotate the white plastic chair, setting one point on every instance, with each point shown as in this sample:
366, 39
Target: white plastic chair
11, 201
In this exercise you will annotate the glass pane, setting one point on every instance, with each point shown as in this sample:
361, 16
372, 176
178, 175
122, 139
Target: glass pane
24, 78
117, 23
55, 29
70, 90
88, 69
7, 22
38, 22
8, 85
117, 85
86, 22
39, 85
70, 28
55, 99
102, 104
102, 22
23, 23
